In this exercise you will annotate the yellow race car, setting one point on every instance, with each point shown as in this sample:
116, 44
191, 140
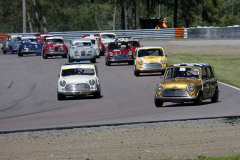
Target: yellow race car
187, 82
149, 60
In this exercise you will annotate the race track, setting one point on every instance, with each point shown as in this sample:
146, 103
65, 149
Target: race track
28, 97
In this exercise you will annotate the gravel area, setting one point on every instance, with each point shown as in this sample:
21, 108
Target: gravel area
175, 140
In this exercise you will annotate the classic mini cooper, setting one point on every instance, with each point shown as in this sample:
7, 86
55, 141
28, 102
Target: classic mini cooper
54, 46
11, 44
81, 49
119, 52
95, 45
149, 60
29, 45
78, 78
100, 43
42, 37
107, 38
135, 44
187, 82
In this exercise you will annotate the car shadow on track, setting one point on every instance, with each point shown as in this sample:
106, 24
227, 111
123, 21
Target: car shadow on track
187, 104
81, 98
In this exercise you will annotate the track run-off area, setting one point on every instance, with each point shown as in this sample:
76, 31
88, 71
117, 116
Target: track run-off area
28, 95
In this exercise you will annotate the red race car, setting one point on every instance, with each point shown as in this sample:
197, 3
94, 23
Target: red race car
100, 44
119, 52
54, 46
41, 37
134, 44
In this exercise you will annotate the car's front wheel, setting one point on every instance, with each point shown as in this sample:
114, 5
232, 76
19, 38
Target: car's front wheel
136, 73
214, 99
44, 55
199, 99
158, 103
20, 54
70, 59
64, 56
60, 96
4, 52
93, 60
108, 63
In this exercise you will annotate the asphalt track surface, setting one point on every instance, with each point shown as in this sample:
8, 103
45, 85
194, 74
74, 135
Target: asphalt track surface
28, 97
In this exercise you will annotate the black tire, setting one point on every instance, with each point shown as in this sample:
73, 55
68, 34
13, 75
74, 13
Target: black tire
215, 97
199, 99
64, 56
20, 54
11, 50
108, 63
93, 60
158, 103
61, 96
4, 52
101, 53
44, 56
136, 73
98, 93
69, 59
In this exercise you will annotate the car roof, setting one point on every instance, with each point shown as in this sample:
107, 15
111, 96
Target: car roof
190, 64
29, 37
154, 47
54, 37
107, 33
76, 63
43, 34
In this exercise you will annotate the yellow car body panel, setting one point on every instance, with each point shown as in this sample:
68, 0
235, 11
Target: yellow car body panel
150, 63
187, 82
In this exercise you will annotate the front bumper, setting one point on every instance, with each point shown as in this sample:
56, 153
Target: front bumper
56, 53
175, 99
75, 93
31, 51
120, 59
150, 70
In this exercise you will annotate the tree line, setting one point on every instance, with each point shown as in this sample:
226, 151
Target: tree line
87, 15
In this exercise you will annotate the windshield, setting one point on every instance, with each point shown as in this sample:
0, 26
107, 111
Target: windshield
113, 46
111, 36
77, 71
55, 41
183, 72
29, 40
150, 52
134, 43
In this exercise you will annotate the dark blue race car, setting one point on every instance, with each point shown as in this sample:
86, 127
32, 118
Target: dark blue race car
29, 45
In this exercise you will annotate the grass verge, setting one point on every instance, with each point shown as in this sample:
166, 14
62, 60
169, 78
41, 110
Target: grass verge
226, 67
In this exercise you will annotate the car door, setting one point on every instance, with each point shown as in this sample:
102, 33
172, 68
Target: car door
206, 84
212, 80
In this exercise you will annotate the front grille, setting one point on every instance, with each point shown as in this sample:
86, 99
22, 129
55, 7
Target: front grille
120, 57
56, 49
175, 93
152, 66
80, 87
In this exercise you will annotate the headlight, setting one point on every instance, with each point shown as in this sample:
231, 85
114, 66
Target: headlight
163, 61
140, 62
159, 87
91, 82
100, 47
190, 87
62, 83
110, 54
130, 53
36, 46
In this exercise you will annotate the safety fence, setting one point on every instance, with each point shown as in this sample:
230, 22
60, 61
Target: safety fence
166, 33
2, 37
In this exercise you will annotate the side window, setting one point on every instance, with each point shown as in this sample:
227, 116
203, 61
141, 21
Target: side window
204, 73
209, 72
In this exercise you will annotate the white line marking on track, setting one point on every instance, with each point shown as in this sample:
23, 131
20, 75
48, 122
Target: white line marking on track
229, 85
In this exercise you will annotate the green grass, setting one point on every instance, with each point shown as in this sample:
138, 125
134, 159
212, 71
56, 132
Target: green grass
227, 67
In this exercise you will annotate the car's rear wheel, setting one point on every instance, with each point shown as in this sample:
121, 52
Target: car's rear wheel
199, 99
214, 99
158, 103
60, 96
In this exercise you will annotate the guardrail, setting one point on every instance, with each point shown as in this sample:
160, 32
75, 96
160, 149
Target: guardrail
166, 33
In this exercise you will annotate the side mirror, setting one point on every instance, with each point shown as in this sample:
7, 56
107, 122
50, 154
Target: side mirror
161, 77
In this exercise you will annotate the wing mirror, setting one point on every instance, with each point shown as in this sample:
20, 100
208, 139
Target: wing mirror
161, 77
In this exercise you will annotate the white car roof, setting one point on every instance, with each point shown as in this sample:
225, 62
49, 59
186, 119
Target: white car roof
78, 65
81, 40
54, 37
27, 37
150, 48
